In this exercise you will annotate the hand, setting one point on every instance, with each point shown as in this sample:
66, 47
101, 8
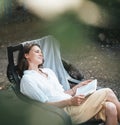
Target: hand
85, 82
80, 84
77, 100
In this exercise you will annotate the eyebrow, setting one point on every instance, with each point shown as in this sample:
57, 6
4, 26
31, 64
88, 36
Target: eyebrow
36, 50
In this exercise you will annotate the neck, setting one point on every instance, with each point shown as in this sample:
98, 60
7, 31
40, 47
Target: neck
33, 67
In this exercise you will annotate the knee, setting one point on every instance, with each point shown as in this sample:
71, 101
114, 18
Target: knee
109, 90
110, 94
111, 109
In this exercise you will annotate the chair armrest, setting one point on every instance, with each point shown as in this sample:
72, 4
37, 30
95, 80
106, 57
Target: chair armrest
15, 111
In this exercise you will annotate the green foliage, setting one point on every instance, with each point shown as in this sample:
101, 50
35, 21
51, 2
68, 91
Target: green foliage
108, 3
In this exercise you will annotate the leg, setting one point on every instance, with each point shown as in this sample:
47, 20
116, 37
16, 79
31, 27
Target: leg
112, 98
111, 114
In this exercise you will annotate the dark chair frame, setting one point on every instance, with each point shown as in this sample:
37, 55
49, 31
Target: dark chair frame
13, 77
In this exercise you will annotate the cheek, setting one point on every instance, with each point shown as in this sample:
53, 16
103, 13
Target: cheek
31, 57
37, 60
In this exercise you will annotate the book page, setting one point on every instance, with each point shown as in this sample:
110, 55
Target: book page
87, 89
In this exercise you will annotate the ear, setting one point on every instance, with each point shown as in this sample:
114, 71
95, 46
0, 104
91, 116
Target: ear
26, 56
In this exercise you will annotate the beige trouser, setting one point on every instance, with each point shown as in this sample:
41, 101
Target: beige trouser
92, 107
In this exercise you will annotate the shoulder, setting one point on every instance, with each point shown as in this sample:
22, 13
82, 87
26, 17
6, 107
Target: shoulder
28, 75
48, 70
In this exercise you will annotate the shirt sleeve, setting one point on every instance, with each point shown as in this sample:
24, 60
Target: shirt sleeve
30, 89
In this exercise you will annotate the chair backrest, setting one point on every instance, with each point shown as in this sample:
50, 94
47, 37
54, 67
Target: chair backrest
12, 66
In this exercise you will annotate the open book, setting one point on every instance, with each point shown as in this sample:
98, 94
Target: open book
87, 89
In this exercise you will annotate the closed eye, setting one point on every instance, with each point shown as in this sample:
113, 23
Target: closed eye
37, 51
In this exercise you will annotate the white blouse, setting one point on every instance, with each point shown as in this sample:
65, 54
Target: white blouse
40, 88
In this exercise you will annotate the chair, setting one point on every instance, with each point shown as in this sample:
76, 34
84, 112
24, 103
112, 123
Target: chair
12, 52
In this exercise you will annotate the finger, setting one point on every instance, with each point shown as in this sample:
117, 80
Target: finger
89, 80
81, 96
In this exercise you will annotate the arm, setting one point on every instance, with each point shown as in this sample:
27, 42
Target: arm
74, 101
29, 87
72, 91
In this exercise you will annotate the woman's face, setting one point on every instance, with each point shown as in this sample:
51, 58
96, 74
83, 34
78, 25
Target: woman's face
35, 56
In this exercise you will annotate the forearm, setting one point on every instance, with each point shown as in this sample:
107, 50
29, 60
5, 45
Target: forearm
61, 104
71, 91
74, 101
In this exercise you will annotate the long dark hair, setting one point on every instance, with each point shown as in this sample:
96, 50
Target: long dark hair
22, 61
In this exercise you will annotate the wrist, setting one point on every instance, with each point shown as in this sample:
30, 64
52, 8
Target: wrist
70, 102
73, 91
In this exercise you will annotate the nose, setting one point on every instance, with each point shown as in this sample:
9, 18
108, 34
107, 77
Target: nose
40, 54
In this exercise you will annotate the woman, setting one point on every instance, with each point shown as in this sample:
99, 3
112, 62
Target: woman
42, 84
